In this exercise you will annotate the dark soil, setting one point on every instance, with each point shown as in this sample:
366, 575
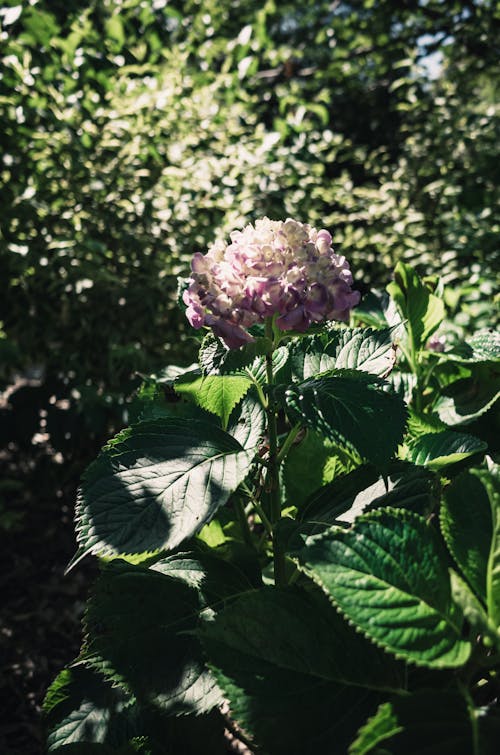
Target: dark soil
40, 624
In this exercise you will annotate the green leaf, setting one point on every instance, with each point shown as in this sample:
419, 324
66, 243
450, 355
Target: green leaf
247, 361
402, 486
157, 484
311, 463
389, 576
139, 625
284, 684
82, 708
218, 394
247, 422
85, 715
352, 409
216, 579
462, 401
484, 346
423, 311
491, 481
472, 609
434, 723
316, 638
437, 450
467, 528
358, 349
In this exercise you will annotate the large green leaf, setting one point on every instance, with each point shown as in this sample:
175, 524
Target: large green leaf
351, 408
434, 723
389, 576
319, 642
156, 484
344, 348
437, 450
467, 528
218, 394
138, 624
422, 310
286, 661
403, 486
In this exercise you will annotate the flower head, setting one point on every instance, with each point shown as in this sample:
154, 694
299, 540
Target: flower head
278, 268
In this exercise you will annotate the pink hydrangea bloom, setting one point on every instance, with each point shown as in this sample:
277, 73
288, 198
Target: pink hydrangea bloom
275, 267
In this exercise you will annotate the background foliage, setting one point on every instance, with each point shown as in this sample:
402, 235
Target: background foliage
134, 131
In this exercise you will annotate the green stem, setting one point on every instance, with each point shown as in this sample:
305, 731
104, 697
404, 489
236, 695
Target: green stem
272, 477
288, 442
258, 508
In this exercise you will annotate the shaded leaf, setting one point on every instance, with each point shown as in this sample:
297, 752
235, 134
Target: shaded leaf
350, 408
156, 484
138, 623
403, 486
467, 528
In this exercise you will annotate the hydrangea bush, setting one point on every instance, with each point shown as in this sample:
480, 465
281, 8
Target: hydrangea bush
298, 537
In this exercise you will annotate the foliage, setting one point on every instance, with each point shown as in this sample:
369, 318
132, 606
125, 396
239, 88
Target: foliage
283, 536
131, 130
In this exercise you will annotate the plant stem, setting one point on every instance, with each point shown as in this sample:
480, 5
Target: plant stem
272, 477
288, 442
260, 511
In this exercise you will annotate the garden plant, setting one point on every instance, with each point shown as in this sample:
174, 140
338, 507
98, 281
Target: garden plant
298, 538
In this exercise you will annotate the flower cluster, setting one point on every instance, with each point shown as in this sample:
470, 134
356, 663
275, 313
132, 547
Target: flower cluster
275, 268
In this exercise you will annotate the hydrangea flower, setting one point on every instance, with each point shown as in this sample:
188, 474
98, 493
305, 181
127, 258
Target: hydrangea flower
282, 268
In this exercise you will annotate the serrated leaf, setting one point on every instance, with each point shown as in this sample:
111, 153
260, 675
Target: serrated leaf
441, 449
484, 346
467, 528
218, 394
423, 311
437, 723
403, 486
422, 424
353, 409
316, 638
82, 708
283, 684
347, 348
138, 622
463, 401
157, 484
389, 576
